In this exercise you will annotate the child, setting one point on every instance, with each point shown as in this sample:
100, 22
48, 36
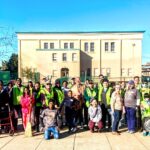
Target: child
49, 121
95, 114
69, 104
26, 104
145, 111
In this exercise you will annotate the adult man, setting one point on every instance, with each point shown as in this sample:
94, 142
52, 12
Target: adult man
17, 92
104, 97
89, 92
39, 96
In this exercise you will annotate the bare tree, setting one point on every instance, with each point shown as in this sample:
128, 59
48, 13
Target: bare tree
8, 42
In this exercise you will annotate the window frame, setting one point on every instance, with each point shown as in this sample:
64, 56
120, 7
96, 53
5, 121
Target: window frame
54, 58
45, 45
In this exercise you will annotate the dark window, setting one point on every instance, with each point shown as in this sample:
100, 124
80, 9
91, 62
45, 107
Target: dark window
71, 45
112, 46
106, 46
74, 57
65, 45
86, 47
54, 57
64, 57
51, 45
92, 47
45, 45
89, 72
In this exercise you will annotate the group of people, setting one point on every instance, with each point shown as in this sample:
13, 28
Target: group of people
97, 106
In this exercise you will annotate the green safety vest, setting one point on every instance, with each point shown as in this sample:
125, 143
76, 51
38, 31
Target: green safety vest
88, 94
100, 86
108, 95
17, 93
146, 112
48, 95
60, 95
39, 104
143, 91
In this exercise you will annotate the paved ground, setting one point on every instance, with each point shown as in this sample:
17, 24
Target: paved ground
82, 140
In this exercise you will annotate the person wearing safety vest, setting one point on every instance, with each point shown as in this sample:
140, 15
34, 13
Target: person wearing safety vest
138, 110
89, 92
39, 97
49, 93
100, 84
145, 111
104, 98
58, 94
17, 92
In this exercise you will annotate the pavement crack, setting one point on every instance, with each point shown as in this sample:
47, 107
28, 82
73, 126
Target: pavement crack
39, 144
74, 141
108, 141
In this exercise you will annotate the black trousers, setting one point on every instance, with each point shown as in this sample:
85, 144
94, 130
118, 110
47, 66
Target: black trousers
38, 110
105, 116
138, 118
17, 114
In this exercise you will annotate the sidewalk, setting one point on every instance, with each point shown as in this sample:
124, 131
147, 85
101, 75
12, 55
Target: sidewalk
82, 140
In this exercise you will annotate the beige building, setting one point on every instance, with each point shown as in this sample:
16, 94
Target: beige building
117, 55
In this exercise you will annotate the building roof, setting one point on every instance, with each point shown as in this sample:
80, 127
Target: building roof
76, 32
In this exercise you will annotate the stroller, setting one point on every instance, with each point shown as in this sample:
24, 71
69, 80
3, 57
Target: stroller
6, 119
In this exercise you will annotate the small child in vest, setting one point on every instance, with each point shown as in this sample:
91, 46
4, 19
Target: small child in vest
145, 111
95, 115
49, 121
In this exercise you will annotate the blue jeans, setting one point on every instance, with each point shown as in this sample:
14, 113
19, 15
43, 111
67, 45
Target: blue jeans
117, 116
50, 130
131, 118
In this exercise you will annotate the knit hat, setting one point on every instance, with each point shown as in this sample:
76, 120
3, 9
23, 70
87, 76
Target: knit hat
131, 82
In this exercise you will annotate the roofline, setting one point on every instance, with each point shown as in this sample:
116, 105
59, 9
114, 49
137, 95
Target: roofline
76, 32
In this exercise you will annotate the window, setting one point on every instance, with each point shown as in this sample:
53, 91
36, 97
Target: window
74, 57
86, 47
54, 55
92, 47
123, 72
65, 45
64, 57
96, 72
108, 70
45, 45
54, 73
51, 45
103, 71
106, 46
89, 72
129, 72
112, 46
72, 45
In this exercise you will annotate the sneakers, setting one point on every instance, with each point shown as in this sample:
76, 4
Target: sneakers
144, 133
131, 132
74, 129
115, 133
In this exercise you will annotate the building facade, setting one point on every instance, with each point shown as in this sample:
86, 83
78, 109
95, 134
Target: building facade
117, 55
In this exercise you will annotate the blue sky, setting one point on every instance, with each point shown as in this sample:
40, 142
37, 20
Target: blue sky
78, 15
